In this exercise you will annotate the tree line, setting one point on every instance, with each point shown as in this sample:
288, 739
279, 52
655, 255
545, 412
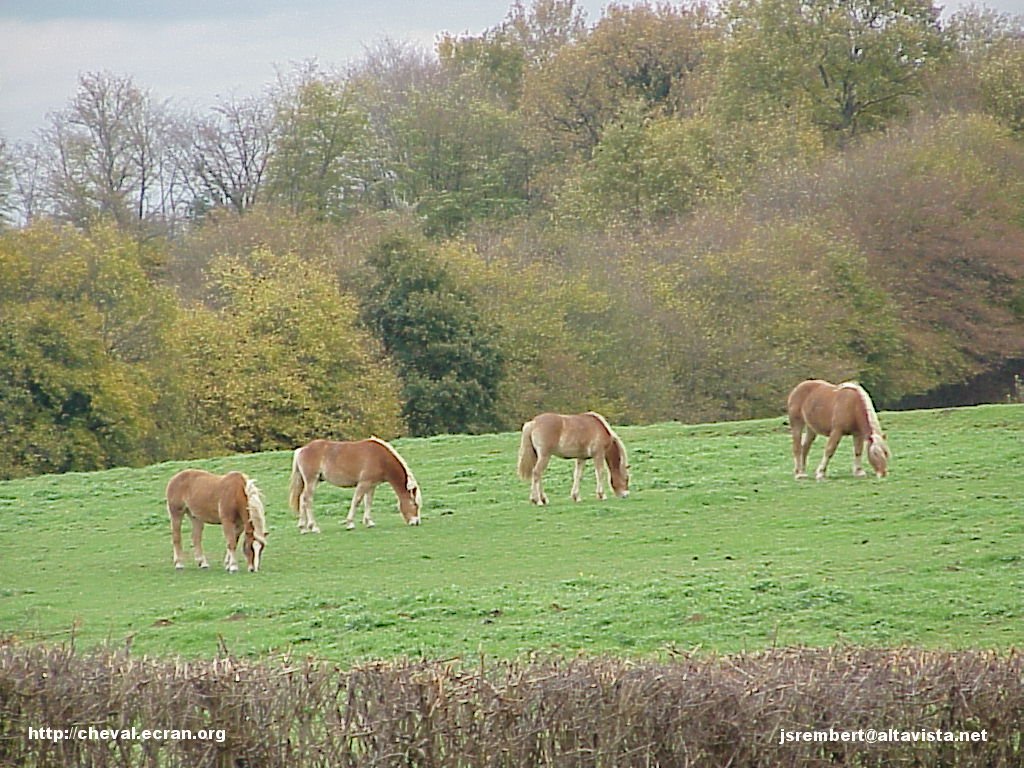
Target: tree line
673, 212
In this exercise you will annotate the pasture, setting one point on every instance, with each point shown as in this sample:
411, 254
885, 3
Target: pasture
717, 549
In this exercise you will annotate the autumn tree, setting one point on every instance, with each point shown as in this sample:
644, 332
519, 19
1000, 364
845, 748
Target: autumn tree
279, 359
652, 54
846, 66
85, 354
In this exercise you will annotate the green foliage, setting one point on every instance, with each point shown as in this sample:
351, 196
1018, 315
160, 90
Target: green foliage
645, 54
281, 359
461, 158
532, 307
845, 66
1002, 83
644, 170
447, 357
326, 156
83, 348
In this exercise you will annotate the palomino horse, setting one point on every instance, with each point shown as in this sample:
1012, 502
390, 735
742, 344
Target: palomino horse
581, 437
231, 501
365, 465
822, 408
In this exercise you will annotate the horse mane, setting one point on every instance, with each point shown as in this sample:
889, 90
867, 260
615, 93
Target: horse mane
623, 460
410, 482
869, 408
257, 513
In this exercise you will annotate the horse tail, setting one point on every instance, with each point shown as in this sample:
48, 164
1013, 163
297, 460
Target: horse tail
527, 453
297, 485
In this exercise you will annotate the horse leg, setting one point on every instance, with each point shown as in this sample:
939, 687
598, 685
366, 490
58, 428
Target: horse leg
577, 476
231, 536
599, 462
367, 503
800, 449
176, 513
307, 524
537, 495
357, 496
858, 449
197, 543
830, 448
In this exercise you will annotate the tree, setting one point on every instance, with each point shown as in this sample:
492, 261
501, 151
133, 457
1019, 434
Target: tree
846, 66
645, 54
279, 359
230, 151
325, 160
110, 155
644, 169
447, 356
85, 354
7, 184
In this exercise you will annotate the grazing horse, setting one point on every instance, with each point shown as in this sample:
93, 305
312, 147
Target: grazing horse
822, 408
364, 464
231, 501
582, 436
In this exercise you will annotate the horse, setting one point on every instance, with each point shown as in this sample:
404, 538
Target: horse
363, 464
817, 407
580, 436
232, 501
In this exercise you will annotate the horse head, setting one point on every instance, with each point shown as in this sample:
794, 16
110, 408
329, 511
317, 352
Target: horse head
879, 454
253, 548
410, 502
618, 466
256, 529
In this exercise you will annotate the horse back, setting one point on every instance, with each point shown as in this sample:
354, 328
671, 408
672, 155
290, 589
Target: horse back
346, 463
203, 493
578, 436
824, 407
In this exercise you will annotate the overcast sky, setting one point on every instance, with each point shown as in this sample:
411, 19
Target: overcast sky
194, 51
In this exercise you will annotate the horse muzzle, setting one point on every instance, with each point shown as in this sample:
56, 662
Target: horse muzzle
414, 520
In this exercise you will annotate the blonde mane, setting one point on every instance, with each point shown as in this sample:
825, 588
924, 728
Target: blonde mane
257, 513
623, 459
410, 482
869, 407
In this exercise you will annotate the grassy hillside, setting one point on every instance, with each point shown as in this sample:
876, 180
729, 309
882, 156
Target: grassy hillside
717, 548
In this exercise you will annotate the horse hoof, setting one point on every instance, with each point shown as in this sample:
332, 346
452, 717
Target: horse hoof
179, 567
369, 523
860, 473
350, 526
204, 565
820, 478
800, 476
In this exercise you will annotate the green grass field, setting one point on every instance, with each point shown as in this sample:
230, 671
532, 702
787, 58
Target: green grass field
717, 549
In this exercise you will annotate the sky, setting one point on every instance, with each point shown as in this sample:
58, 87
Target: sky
194, 52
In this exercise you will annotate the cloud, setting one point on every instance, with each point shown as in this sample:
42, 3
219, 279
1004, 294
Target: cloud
194, 61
